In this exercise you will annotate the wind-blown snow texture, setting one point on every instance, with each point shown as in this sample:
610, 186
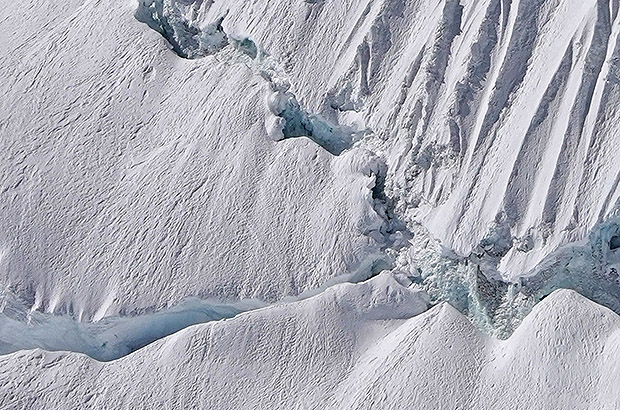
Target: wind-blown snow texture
137, 178
170, 162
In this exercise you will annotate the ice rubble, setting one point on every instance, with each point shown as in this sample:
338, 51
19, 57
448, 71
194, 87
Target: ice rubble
186, 39
497, 307
189, 40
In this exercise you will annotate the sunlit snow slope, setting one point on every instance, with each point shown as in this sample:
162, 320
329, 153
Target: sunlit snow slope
497, 118
171, 162
133, 178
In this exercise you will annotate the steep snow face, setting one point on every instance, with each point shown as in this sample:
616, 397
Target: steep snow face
498, 120
135, 178
132, 178
354, 346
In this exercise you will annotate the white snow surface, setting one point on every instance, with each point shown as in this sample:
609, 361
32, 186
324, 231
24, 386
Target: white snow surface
170, 162
491, 114
133, 178
363, 346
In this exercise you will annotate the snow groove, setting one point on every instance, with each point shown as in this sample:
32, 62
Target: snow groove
509, 78
449, 28
470, 87
574, 138
537, 136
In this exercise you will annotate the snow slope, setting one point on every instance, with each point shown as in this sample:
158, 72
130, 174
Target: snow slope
496, 118
170, 162
353, 346
132, 178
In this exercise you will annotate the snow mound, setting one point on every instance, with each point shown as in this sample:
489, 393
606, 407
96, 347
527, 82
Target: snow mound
354, 346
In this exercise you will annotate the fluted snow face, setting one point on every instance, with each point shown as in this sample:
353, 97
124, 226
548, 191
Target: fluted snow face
496, 120
171, 162
493, 116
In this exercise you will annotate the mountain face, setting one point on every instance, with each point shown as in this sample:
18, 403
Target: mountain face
166, 163
497, 119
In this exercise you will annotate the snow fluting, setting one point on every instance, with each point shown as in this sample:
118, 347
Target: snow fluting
174, 162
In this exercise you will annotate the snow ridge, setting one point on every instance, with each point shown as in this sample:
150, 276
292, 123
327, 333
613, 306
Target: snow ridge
355, 346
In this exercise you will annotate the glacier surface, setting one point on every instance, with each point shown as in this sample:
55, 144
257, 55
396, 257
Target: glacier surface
167, 163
